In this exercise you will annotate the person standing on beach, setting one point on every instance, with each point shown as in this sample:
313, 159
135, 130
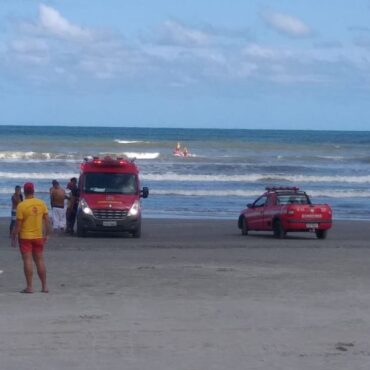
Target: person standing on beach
17, 197
32, 230
72, 205
57, 197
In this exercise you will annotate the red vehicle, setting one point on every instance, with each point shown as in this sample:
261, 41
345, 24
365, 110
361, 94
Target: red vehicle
109, 196
283, 210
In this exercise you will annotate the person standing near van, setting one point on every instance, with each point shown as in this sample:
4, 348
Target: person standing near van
17, 197
57, 197
32, 230
72, 205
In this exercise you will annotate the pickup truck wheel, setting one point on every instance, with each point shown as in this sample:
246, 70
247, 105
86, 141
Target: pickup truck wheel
244, 227
279, 232
321, 234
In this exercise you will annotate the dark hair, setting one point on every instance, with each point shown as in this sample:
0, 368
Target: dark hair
73, 179
17, 187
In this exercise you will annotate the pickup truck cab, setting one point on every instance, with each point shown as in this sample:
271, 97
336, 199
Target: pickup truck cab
283, 210
109, 191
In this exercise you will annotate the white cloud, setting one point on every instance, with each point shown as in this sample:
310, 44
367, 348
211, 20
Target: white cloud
176, 33
54, 50
29, 45
52, 21
286, 24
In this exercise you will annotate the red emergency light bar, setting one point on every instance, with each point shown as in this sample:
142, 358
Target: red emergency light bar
282, 188
107, 161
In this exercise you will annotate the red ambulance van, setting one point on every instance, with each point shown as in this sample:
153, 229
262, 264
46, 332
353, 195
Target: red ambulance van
109, 196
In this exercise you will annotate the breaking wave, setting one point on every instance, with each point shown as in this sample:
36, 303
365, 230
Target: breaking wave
141, 155
128, 141
38, 156
37, 175
253, 193
174, 177
229, 193
256, 178
74, 157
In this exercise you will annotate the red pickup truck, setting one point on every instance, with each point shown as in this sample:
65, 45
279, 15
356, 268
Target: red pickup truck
285, 209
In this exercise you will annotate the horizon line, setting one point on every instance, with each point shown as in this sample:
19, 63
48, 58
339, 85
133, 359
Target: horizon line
176, 127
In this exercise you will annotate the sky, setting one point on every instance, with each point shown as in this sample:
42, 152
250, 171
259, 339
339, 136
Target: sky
265, 64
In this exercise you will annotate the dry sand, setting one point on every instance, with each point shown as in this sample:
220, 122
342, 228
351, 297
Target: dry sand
191, 295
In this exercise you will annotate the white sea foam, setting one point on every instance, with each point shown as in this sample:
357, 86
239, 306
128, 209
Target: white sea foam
229, 192
331, 157
36, 175
20, 155
36, 156
141, 155
171, 176
339, 193
128, 141
254, 193
174, 177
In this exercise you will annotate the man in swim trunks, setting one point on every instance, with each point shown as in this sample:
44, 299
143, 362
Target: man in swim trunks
17, 197
32, 230
57, 197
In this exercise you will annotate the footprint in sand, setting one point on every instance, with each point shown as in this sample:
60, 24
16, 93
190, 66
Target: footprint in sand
340, 346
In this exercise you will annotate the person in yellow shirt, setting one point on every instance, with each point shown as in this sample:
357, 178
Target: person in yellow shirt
32, 229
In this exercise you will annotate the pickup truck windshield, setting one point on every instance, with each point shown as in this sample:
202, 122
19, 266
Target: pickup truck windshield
293, 199
111, 183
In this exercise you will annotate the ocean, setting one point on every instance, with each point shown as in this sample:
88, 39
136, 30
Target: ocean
226, 170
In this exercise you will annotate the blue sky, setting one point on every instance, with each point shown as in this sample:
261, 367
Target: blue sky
223, 64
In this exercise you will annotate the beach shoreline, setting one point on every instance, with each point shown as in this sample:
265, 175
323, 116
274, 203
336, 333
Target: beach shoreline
191, 294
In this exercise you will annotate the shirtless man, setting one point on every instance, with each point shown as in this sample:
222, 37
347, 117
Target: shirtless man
57, 197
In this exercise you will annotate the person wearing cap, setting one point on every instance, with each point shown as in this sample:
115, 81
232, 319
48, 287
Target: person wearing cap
32, 230
57, 197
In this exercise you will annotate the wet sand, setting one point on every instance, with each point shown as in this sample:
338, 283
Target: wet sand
191, 295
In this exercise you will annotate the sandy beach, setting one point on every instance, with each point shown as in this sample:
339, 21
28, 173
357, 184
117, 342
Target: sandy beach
191, 295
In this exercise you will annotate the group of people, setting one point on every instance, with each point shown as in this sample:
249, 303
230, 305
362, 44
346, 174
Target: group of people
30, 224
63, 202
64, 217
179, 151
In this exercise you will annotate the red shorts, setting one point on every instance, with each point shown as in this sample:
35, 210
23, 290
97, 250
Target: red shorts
31, 245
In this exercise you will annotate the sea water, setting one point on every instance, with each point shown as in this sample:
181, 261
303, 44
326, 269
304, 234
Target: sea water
226, 169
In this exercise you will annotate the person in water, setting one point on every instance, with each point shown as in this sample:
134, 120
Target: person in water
177, 149
181, 152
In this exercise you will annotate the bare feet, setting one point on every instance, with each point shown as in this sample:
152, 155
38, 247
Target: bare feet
28, 291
